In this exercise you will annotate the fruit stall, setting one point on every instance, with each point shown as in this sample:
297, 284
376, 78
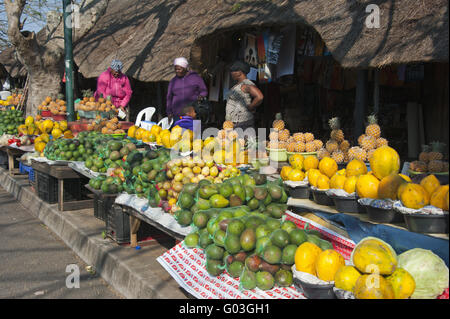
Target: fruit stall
296, 218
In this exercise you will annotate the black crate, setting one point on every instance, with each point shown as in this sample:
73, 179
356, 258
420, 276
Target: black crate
48, 188
118, 227
103, 205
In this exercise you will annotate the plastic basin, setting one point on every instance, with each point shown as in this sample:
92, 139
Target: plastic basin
347, 205
431, 224
302, 192
313, 291
322, 198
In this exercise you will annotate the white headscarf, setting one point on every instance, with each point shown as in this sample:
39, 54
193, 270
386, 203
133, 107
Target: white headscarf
181, 62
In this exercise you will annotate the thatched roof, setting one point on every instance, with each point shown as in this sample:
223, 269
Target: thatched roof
148, 35
9, 61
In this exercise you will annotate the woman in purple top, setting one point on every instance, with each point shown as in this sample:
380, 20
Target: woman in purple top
186, 87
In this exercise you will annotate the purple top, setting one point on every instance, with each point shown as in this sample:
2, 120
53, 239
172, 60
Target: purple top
183, 91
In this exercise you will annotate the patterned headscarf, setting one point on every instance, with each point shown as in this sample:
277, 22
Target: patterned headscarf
116, 65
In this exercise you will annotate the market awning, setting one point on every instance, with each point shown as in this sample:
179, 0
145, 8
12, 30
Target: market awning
148, 35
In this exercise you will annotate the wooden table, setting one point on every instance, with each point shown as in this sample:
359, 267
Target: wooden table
306, 204
12, 153
62, 173
135, 222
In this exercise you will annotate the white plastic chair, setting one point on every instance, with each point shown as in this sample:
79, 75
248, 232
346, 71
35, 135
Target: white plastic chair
165, 124
147, 113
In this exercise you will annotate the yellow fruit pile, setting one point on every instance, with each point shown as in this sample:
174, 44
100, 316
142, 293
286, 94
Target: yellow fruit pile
224, 149
375, 274
12, 100
105, 126
44, 128
56, 106
89, 103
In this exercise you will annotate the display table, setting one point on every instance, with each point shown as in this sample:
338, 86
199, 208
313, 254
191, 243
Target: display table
62, 173
139, 211
12, 154
309, 205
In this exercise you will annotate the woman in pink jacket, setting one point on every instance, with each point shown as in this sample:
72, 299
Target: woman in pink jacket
114, 83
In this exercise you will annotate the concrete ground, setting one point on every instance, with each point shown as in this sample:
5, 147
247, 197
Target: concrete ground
38, 242
33, 260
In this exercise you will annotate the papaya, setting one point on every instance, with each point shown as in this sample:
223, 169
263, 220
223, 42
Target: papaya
355, 168
345, 278
403, 283
440, 197
372, 255
414, 196
430, 183
337, 181
388, 187
367, 186
327, 264
385, 161
373, 287
305, 257
328, 166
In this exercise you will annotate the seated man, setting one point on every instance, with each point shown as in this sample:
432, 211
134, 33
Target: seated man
186, 120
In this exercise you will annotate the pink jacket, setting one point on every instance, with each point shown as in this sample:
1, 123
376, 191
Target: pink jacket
118, 88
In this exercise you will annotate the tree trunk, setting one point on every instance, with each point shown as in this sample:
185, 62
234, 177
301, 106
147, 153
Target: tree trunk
42, 84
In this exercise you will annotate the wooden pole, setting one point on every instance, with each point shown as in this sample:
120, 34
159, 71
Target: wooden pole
360, 103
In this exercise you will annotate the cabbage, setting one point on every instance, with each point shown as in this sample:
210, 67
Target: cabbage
428, 270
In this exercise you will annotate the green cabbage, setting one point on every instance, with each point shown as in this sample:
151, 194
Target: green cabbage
428, 270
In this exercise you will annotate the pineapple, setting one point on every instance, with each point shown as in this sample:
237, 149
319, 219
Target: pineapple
353, 152
338, 156
368, 143
222, 134
418, 166
381, 142
362, 155
273, 136
436, 153
300, 147
309, 137
321, 153
228, 125
310, 147
444, 166
373, 129
291, 147
284, 135
299, 137
278, 124
232, 135
318, 144
435, 166
424, 155
332, 146
370, 154
360, 138
336, 132
344, 146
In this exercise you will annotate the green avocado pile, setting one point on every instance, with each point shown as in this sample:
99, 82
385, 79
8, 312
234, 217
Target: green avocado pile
10, 120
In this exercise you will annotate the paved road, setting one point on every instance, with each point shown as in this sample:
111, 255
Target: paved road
33, 260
